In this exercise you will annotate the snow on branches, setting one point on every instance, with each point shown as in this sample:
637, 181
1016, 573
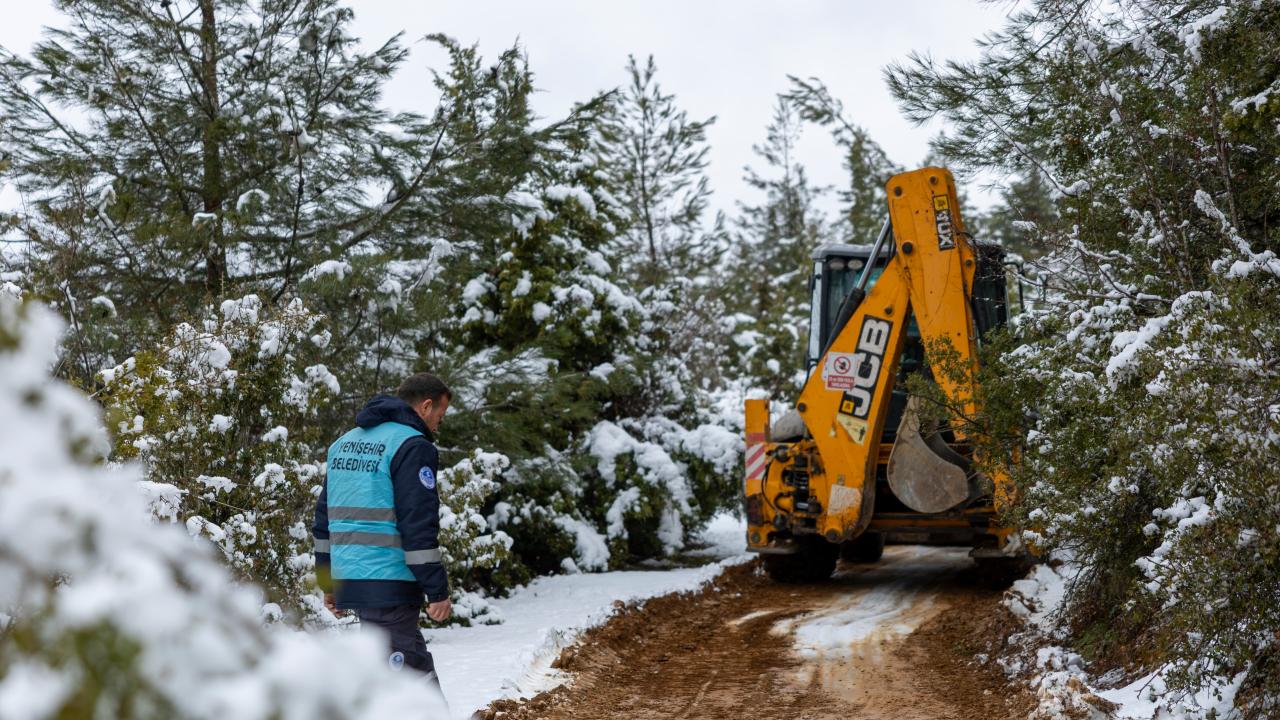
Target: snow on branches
107, 613
225, 417
1146, 373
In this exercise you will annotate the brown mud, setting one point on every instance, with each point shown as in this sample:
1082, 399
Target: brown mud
892, 641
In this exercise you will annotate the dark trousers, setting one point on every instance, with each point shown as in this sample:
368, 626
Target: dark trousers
407, 646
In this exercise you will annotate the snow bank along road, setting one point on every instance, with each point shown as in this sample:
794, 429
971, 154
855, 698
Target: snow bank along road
879, 641
514, 659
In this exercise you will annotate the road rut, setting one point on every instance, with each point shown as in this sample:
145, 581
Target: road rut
893, 640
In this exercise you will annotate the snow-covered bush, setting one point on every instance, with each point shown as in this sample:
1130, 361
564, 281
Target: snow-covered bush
479, 242
1061, 678
648, 494
1157, 466
104, 613
625, 494
224, 419
475, 557
658, 480
1146, 377
538, 509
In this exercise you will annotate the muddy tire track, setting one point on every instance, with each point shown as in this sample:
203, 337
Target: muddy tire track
893, 640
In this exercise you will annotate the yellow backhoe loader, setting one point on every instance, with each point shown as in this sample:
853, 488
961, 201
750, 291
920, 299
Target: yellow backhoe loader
854, 466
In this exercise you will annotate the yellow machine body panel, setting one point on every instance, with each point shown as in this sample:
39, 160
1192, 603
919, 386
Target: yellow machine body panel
844, 403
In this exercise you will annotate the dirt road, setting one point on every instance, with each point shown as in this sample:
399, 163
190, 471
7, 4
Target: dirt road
894, 640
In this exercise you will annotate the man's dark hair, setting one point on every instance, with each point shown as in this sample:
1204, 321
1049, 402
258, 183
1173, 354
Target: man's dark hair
423, 386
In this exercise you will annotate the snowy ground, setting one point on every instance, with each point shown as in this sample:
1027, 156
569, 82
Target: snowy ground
889, 600
1065, 684
478, 665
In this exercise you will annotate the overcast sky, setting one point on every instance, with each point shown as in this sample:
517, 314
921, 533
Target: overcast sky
727, 58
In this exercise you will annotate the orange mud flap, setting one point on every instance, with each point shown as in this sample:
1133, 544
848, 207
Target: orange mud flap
756, 471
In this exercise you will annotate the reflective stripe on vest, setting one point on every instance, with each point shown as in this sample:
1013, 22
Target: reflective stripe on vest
363, 539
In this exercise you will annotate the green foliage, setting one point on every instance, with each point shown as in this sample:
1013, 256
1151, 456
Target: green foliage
868, 167
206, 136
644, 485
715, 484
539, 511
772, 265
1145, 376
651, 160
1025, 207
474, 557
223, 419
655, 158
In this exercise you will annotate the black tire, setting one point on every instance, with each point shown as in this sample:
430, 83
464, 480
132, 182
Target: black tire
866, 548
999, 573
814, 563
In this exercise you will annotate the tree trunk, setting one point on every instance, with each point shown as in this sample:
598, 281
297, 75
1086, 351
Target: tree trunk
211, 189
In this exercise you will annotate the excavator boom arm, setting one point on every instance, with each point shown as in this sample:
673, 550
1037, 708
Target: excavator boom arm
830, 476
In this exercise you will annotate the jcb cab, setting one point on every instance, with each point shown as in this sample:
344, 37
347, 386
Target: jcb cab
851, 466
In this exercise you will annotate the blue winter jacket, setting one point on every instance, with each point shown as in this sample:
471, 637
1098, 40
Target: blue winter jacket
383, 527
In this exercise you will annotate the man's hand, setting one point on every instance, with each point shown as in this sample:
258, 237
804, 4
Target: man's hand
440, 610
329, 604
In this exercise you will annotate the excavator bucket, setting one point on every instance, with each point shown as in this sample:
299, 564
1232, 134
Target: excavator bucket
815, 480
925, 474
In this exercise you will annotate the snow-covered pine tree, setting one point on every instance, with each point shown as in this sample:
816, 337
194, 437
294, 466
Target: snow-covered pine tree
865, 162
768, 292
418, 294
1147, 376
543, 340
552, 344
173, 151
656, 158
1025, 206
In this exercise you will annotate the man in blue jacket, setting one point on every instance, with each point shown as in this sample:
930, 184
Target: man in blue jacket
377, 519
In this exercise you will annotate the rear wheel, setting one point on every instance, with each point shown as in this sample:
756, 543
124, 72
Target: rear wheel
866, 548
815, 562
1001, 572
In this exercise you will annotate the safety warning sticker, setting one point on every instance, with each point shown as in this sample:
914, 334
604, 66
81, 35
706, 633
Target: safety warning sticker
838, 372
857, 429
857, 375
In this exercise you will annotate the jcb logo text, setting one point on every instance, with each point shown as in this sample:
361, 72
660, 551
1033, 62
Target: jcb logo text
873, 339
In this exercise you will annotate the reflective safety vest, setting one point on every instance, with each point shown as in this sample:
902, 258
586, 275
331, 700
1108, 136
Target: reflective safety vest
364, 543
